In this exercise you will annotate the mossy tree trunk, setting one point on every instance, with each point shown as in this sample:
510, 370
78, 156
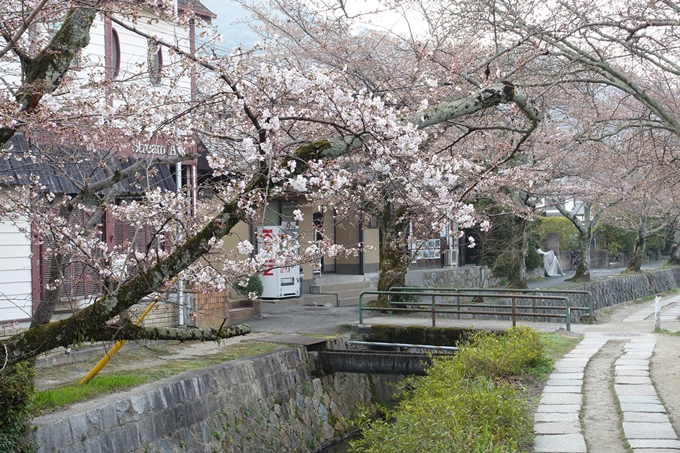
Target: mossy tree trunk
520, 248
395, 255
675, 251
635, 263
644, 232
585, 229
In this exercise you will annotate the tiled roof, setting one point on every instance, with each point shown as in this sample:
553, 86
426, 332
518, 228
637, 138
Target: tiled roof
65, 177
197, 7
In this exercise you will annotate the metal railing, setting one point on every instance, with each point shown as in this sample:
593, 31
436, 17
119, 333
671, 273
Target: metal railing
435, 307
505, 290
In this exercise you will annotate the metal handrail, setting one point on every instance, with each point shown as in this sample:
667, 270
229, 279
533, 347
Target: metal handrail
433, 306
508, 290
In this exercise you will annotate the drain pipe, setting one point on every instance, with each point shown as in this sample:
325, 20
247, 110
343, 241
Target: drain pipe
178, 177
180, 283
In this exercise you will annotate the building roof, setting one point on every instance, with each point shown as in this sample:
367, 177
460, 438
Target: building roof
65, 177
197, 7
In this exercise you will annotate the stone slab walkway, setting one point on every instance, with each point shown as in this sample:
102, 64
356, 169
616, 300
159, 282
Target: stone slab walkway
644, 420
667, 315
557, 425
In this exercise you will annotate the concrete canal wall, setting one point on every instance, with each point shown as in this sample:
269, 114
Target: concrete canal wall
268, 403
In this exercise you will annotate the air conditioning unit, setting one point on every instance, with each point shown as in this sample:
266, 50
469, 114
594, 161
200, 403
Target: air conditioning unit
451, 257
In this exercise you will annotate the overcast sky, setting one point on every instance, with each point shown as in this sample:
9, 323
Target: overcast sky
232, 34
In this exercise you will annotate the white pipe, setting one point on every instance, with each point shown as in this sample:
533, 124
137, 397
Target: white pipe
180, 283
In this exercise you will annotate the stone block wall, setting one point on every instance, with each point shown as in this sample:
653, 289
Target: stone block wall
161, 315
619, 289
268, 403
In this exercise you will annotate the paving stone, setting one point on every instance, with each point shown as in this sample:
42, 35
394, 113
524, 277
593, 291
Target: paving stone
654, 443
562, 389
632, 367
561, 375
631, 362
634, 389
565, 381
633, 380
637, 407
646, 355
557, 428
562, 367
556, 417
644, 430
643, 399
620, 371
559, 408
656, 450
561, 398
560, 443
650, 417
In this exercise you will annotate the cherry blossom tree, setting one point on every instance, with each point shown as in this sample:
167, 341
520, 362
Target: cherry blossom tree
273, 117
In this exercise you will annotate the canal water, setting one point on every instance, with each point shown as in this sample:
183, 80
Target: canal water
341, 447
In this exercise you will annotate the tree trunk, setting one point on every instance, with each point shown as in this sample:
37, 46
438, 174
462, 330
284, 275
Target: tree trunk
583, 269
675, 252
638, 254
520, 249
394, 252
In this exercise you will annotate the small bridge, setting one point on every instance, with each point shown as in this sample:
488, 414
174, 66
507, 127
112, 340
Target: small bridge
386, 359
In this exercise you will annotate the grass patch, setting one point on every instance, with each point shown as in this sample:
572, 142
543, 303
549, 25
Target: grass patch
115, 381
557, 344
473, 402
54, 398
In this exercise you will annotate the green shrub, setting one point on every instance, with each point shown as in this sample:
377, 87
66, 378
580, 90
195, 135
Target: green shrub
615, 239
533, 260
254, 285
569, 235
499, 356
16, 405
462, 405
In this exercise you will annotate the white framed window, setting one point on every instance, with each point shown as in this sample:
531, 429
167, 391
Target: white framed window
155, 62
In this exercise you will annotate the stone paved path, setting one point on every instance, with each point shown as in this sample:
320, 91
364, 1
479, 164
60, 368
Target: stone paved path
645, 423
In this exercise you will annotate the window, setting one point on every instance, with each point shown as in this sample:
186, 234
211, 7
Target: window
155, 62
115, 54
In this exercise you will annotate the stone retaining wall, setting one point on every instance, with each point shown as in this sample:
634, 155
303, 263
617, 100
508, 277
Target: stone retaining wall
612, 291
616, 290
268, 403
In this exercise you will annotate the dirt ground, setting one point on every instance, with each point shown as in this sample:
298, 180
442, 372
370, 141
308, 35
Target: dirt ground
144, 355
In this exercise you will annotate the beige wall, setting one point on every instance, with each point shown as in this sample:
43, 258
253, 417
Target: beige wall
348, 235
372, 257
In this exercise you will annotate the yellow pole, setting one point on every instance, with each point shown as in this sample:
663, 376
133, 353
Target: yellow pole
119, 344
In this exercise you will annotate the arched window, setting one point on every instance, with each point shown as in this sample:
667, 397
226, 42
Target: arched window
115, 54
155, 62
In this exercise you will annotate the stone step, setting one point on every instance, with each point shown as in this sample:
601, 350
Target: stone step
340, 287
305, 299
240, 315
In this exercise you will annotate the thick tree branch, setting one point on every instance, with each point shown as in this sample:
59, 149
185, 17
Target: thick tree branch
45, 71
133, 332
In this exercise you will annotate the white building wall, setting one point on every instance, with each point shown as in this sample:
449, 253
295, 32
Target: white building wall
15, 272
15, 247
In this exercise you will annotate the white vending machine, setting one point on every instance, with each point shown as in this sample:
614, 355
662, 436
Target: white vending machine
279, 282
